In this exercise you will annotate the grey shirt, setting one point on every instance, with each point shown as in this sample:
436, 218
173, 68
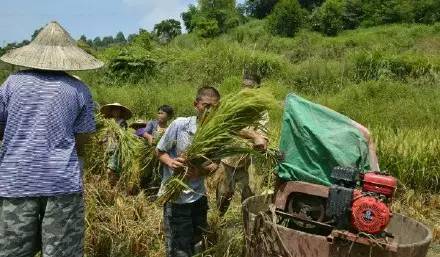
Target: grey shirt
176, 139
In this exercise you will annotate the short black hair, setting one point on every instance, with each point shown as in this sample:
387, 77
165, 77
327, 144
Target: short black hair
207, 91
252, 75
166, 109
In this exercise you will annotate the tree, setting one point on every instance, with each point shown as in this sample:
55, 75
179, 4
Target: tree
353, 14
206, 27
108, 40
131, 37
188, 18
120, 38
97, 42
207, 6
83, 38
426, 11
310, 4
330, 17
260, 8
224, 12
143, 39
286, 18
168, 29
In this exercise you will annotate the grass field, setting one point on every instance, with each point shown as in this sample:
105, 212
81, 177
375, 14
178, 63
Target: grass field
386, 78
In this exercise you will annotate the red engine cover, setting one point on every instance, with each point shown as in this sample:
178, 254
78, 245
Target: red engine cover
378, 183
370, 215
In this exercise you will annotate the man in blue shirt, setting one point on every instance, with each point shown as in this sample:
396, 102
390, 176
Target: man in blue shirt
45, 117
185, 218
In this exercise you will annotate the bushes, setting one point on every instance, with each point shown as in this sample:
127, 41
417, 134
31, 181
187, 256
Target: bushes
387, 103
286, 18
337, 15
132, 64
373, 65
330, 17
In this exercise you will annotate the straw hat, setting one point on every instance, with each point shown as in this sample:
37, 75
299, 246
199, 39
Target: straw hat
107, 109
52, 49
138, 124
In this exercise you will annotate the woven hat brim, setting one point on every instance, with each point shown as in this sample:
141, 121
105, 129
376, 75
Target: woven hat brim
136, 125
106, 110
59, 58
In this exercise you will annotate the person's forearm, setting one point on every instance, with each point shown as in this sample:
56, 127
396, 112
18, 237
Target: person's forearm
247, 133
148, 137
164, 157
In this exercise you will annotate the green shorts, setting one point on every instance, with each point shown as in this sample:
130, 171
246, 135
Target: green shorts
53, 225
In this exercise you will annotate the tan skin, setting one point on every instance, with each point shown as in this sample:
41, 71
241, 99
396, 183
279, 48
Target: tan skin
201, 105
162, 118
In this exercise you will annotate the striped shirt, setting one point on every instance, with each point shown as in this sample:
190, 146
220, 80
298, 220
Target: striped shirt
40, 113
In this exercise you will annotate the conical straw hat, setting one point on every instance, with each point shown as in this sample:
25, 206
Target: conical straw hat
52, 49
106, 110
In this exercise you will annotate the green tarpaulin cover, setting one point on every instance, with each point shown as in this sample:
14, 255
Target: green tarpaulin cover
315, 139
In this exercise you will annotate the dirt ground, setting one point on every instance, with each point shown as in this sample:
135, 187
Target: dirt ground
434, 251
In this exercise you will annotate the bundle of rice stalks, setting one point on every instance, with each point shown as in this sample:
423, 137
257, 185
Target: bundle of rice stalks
218, 134
133, 158
119, 225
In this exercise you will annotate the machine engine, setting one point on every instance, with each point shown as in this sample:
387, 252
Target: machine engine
360, 203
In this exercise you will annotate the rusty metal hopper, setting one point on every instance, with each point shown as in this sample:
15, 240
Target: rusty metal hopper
264, 238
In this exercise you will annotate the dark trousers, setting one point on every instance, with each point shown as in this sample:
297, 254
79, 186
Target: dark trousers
185, 225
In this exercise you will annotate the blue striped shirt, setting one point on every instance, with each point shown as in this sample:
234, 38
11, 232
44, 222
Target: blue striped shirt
176, 139
40, 112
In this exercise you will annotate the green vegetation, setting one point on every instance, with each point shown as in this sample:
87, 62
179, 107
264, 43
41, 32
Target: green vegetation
286, 18
386, 77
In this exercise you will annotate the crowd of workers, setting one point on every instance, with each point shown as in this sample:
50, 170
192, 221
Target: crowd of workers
46, 118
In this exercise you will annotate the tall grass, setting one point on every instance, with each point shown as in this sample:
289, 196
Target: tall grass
412, 155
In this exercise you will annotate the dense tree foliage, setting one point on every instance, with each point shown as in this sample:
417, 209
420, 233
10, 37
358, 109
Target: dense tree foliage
260, 8
211, 17
167, 29
286, 18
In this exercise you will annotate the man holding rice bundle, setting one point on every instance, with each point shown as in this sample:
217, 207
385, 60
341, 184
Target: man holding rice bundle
45, 117
235, 170
185, 218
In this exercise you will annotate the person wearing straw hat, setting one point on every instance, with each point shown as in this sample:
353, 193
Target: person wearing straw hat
120, 114
139, 127
45, 117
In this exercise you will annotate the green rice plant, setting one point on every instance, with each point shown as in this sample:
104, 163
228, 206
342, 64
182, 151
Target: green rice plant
218, 132
134, 156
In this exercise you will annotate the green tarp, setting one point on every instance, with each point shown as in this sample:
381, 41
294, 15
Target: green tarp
315, 139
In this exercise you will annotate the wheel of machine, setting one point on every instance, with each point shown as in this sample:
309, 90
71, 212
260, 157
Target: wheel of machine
307, 207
